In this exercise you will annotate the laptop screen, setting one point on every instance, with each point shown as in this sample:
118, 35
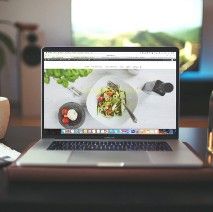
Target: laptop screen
110, 93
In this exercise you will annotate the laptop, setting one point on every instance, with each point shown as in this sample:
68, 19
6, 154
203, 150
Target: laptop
110, 107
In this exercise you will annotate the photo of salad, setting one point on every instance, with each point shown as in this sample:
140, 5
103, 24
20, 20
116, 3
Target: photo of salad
110, 102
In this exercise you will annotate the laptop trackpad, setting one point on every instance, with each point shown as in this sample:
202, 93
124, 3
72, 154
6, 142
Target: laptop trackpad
108, 159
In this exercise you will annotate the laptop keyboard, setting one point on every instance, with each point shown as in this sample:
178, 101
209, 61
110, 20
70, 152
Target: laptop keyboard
110, 146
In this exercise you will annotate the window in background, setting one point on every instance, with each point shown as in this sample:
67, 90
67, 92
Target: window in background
140, 23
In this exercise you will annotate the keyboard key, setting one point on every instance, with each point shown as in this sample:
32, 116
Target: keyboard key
110, 146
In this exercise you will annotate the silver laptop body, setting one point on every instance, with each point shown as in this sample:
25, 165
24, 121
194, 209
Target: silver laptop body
110, 107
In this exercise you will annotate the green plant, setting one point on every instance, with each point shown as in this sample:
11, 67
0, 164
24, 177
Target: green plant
5, 41
65, 76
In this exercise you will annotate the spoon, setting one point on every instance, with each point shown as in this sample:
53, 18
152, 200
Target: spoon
75, 91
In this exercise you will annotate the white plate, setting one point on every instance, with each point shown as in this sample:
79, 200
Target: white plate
131, 99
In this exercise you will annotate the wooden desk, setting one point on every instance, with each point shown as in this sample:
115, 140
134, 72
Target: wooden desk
105, 196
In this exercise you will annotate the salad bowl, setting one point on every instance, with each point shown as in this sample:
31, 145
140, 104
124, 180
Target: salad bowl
96, 95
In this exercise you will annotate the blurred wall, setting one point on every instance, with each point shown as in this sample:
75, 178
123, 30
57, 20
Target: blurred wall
53, 18
205, 72
207, 40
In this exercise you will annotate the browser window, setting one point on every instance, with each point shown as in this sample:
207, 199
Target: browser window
110, 92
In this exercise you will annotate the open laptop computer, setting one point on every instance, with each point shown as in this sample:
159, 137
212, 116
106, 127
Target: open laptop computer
110, 107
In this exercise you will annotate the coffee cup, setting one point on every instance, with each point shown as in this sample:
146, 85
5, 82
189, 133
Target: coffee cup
4, 116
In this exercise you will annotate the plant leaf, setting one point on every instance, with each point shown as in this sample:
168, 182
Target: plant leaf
7, 41
2, 58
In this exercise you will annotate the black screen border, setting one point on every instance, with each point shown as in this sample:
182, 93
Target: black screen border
56, 133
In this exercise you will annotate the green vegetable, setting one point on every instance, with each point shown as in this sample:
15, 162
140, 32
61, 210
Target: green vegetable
84, 72
57, 73
46, 80
59, 81
67, 73
65, 76
65, 84
49, 72
72, 78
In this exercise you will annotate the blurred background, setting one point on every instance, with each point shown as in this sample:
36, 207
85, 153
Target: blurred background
27, 25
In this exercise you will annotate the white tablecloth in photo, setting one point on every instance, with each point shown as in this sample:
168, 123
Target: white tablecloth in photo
153, 111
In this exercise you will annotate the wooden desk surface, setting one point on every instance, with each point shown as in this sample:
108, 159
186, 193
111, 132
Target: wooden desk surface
105, 196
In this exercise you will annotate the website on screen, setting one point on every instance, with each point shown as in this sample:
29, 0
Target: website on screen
110, 92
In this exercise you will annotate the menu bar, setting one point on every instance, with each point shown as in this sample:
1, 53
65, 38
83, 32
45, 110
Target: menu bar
108, 55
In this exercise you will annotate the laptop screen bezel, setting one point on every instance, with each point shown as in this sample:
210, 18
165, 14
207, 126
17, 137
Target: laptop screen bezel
56, 133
